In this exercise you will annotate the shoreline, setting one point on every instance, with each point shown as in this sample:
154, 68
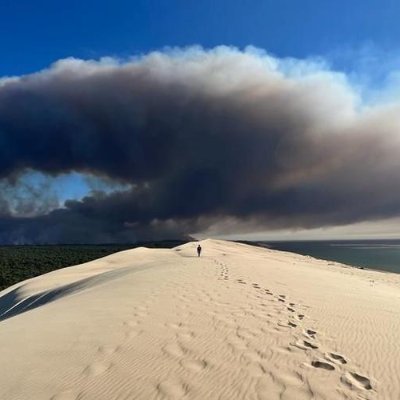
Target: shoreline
378, 268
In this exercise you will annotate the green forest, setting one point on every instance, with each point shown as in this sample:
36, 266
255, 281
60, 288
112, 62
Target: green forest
18, 263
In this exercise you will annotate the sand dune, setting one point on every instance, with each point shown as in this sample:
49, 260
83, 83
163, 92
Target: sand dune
239, 322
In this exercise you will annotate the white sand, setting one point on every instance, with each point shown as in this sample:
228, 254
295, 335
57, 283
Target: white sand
238, 323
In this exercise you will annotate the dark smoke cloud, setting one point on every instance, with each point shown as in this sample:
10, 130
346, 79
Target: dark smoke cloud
200, 138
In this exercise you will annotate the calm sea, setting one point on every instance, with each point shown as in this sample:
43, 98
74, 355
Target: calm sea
378, 254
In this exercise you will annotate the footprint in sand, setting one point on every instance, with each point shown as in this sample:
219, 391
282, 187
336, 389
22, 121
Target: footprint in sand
245, 334
139, 314
194, 365
131, 324
97, 368
251, 356
226, 321
338, 358
354, 380
300, 316
309, 333
283, 324
186, 335
291, 309
310, 345
241, 281
256, 286
141, 309
172, 389
323, 365
108, 350
132, 334
291, 324
305, 345
237, 345
174, 325
174, 350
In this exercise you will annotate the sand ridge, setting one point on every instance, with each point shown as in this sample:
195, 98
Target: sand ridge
240, 322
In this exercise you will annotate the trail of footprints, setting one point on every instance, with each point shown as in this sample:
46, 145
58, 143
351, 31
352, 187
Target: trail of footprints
102, 363
328, 360
179, 350
223, 271
192, 363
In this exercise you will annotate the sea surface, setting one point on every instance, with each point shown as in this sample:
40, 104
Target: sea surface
377, 254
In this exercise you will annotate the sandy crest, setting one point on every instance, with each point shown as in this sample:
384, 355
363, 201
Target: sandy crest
240, 322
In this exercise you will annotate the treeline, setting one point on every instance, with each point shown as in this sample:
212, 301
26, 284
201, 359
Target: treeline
18, 263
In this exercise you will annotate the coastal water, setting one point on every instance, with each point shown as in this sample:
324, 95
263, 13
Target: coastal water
378, 254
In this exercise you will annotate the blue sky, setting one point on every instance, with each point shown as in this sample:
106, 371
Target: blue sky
35, 33
359, 37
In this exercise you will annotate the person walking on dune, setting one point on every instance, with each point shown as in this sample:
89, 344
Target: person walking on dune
198, 250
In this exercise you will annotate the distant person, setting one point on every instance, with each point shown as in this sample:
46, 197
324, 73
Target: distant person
198, 250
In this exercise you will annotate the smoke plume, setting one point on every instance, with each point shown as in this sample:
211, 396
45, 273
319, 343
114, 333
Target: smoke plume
199, 139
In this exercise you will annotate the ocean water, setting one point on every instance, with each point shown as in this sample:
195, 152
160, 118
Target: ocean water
378, 254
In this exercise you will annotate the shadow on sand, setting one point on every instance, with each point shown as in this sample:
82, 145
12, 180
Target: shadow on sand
16, 302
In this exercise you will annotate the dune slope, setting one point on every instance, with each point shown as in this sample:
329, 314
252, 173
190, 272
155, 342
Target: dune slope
240, 322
